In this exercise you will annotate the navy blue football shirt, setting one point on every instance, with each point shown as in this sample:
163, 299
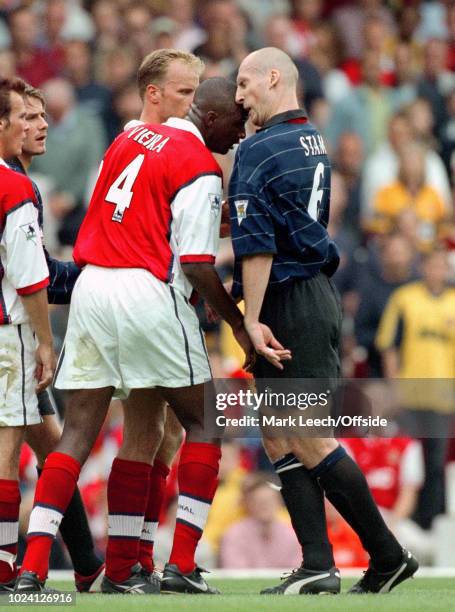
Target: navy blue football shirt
279, 198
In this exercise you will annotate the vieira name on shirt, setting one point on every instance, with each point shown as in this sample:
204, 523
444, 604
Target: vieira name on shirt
149, 139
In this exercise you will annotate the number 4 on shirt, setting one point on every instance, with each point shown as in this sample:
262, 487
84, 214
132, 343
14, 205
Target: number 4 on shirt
120, 192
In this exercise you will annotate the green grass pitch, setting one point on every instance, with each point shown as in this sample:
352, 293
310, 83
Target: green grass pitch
241, 595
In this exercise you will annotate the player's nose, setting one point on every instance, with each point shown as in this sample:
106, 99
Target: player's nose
239, 97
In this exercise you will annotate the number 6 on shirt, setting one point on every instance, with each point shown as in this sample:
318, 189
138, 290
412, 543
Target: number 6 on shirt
316, 193
120, 192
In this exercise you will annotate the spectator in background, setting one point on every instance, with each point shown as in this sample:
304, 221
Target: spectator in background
348, 160
408, 21
381, 168
416, 337
404, 77
436, 81
278, 33
350, 20
34, 64
75, 145
93, 97
116, 68
127, 105
446, 136
422, 122
394, 470
410, 193
451, 38
366, 110
137, 18
109, 30
390, 270
226, 31
325, 55
261, 539
54, 20
305, 15
188, 34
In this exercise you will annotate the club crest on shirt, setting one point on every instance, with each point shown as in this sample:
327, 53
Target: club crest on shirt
215, 203
29, 231
241, 206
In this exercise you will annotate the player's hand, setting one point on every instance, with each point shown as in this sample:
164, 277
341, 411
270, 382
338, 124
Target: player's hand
45, 366
242, 337
266, 344
225, 227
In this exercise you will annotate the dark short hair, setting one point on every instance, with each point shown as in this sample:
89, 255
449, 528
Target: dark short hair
6, 87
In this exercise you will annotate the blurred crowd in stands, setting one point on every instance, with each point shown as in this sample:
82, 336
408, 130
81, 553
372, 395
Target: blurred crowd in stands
378, 80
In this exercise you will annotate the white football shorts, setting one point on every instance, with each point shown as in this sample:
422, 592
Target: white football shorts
18, 401
129, 330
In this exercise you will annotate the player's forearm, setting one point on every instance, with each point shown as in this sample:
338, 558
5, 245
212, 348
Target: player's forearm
207, 283
36, 306
255, 277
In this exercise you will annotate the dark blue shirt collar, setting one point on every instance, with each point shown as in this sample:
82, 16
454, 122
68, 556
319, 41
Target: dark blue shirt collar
298, 113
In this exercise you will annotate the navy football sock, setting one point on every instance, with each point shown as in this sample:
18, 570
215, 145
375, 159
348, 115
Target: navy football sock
304, 500
347, 490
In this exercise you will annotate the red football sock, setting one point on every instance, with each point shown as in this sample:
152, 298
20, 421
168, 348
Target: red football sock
197, 478
54, 491
10, 499
157, 490
127, 490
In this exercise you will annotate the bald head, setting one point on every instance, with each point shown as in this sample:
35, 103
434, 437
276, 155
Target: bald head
270, 58
215, 112
267, 84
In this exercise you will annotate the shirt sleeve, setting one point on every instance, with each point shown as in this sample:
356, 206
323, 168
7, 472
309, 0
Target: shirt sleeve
26, 266
196, 214
390, 326
252, 228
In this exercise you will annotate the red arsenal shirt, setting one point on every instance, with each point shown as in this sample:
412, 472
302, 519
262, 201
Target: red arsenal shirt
156, 203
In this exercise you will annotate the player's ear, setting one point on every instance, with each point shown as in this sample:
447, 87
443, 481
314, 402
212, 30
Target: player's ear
210, 117
274, 77
153, 93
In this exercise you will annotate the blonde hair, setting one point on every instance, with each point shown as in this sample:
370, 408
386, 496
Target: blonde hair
155, 65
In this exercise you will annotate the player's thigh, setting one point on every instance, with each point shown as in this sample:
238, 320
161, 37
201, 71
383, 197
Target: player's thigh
89, 359
18, 403
10, 445
191, 405
306, 318
160, 339
144, 415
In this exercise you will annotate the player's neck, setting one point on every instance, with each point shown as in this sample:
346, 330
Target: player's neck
285, 104
150, 115
25, 160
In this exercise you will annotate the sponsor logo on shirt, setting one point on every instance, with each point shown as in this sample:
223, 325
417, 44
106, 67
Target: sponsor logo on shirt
215, 203
241, 206
29, 231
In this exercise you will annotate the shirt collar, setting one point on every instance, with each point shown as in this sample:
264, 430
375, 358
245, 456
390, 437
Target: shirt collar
184, 124
174, 122
297, 113
3, 162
